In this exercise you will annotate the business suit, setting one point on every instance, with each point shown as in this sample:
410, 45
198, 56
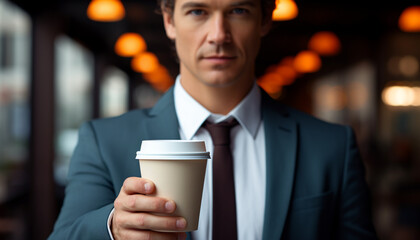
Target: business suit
315, 179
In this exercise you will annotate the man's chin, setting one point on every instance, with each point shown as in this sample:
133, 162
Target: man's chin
220, 84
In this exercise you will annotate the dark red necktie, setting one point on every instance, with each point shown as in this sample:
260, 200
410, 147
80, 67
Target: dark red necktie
224, 206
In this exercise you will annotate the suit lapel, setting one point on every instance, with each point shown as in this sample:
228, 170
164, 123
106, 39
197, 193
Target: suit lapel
281, 147
163, 122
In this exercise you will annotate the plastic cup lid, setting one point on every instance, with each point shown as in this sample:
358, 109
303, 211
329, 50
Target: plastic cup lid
173, 149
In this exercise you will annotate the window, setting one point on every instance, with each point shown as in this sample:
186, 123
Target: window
74, 79
114, 93
15, 52
15, 55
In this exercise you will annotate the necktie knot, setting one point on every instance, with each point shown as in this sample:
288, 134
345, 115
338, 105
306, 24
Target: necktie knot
220, 132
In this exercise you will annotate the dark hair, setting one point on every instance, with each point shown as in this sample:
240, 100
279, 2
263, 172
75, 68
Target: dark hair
267, 7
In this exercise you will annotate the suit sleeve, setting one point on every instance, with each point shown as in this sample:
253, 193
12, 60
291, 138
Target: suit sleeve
89, 194
354, 208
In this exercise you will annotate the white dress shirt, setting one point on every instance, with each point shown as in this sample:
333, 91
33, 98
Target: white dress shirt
248, 150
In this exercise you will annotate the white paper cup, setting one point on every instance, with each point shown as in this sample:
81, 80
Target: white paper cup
177, 167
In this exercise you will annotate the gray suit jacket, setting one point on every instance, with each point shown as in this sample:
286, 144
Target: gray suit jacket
315, 179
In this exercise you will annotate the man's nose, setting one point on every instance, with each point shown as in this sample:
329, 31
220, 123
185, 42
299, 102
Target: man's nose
219, 32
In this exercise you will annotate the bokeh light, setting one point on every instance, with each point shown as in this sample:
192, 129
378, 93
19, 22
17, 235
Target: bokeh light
409, 20
325, 43
271, 82
307, 62
401, 96
285, 10
145, 62
106, 10
130, 44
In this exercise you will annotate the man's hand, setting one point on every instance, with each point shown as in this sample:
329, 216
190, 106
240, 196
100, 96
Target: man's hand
133, 215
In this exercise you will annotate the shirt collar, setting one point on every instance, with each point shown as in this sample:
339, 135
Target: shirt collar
191, 114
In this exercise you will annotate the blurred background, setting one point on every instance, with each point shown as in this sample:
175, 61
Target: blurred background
64, 62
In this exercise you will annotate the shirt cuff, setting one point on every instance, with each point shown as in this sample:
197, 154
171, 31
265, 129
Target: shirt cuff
109, 223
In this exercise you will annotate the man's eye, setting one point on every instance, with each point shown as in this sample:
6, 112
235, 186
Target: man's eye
196, 12
239, 11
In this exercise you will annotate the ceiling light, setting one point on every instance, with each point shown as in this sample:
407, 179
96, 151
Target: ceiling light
271, 82
325, 43
106, 10
285, 10
160, 79
130, 44
410, 19
307, 62
145, 62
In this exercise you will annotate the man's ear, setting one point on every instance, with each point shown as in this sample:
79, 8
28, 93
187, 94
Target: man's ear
168, 21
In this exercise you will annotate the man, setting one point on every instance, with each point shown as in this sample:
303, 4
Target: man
295, 177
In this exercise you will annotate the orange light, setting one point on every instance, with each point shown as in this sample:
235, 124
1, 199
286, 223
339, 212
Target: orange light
157, 75
307, 62
106, 10
410, 19
130, 44
325, 43
285, 10
145, 62
163, 86
159, 79
287, 72
271, 82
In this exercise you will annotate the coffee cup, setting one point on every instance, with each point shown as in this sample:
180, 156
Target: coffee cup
177, 168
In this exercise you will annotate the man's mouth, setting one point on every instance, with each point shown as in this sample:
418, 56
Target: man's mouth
219, 58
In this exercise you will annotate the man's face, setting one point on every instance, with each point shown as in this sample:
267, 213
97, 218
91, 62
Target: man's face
217, 41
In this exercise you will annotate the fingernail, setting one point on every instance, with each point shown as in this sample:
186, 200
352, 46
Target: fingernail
181, 223
147, 187
169, 206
